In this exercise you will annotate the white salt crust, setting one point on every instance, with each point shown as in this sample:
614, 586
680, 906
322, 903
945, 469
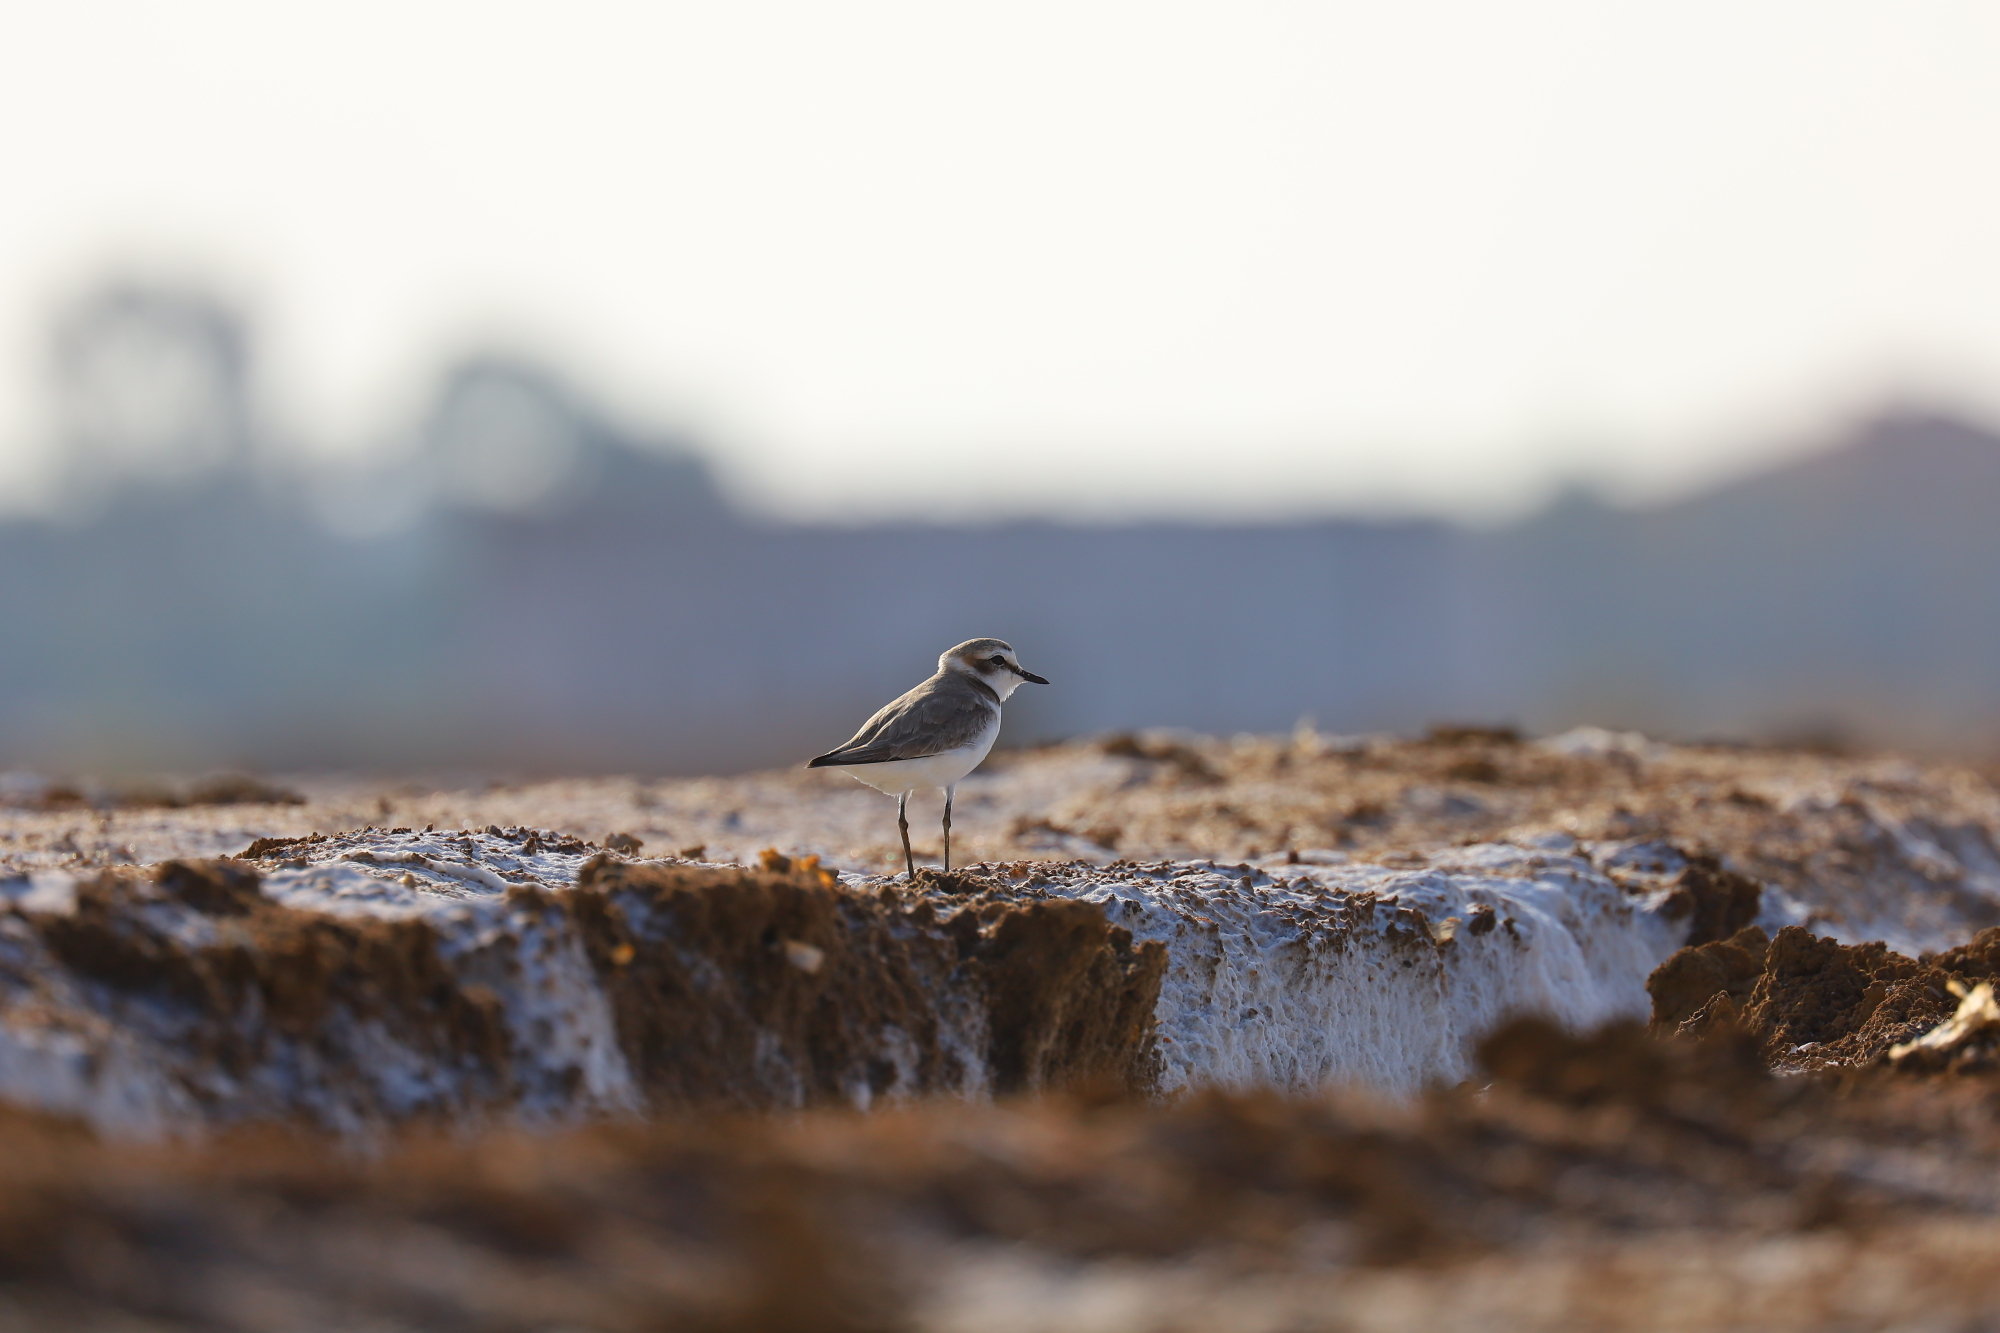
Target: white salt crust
1384, 977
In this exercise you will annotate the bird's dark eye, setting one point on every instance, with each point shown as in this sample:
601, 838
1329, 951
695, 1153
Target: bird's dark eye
997, 660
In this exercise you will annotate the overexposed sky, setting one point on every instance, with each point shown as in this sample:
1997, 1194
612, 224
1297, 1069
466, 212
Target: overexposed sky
1087, 257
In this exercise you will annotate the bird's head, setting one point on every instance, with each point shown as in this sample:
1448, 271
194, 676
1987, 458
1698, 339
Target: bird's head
991, 661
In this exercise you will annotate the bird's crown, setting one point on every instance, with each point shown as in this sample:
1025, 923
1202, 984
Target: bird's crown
976, 655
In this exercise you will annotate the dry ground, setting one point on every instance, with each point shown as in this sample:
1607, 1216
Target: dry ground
1835, 832
1616, 1181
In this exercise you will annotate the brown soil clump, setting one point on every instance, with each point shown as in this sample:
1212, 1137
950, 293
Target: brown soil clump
1071, 997
1811, 1002
1716, 901
1621, 1065
1967, 1042
1976, 960
241, 789
1043, 995
1840, 1004
1697, 975
267, 978
954, 883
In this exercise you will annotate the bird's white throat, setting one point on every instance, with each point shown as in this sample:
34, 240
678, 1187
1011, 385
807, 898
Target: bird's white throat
1000, 680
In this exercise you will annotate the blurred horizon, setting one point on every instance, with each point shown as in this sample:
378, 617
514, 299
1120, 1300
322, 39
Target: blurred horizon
531, 582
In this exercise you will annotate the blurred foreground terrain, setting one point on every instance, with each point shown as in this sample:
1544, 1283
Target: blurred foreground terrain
377, 1055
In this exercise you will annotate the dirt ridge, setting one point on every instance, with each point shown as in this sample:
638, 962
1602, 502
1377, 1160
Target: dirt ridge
716, 986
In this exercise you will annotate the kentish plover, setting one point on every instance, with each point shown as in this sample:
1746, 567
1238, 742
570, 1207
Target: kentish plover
935, 734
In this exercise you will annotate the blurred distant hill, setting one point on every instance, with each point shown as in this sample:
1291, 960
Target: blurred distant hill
531, 585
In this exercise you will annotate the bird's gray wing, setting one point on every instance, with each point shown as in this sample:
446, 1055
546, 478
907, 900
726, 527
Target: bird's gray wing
944, 713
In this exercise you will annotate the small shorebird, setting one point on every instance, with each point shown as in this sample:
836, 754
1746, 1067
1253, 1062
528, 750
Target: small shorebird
935, 734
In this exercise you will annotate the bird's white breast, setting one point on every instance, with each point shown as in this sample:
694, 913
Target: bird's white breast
896, 776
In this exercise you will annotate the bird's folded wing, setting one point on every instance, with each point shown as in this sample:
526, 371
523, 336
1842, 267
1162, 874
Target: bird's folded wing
926, 721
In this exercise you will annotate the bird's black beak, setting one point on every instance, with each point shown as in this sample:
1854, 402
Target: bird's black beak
1029, 676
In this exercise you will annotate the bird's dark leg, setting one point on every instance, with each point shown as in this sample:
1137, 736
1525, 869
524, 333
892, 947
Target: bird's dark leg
903, 823
948, 793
